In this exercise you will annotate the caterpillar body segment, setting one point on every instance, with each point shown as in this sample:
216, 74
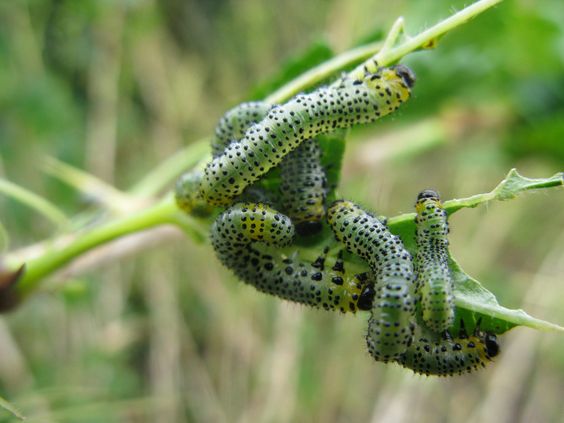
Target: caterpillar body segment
247, 239
434, 279
436, 354
303, 188
235, 122
393, 308
285, 127
187, 194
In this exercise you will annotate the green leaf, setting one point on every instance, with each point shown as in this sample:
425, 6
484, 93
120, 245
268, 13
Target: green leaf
474, 302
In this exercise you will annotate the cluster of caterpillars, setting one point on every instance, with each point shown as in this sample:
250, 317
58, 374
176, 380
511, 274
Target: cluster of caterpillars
411, 304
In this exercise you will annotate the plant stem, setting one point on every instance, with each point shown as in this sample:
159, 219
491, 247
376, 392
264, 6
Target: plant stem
167, 212
164, 212
426, 39
181, 161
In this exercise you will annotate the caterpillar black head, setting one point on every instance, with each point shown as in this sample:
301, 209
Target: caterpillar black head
406, 74
428, 194
492, 346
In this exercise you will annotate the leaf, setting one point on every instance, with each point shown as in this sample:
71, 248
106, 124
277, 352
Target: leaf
512, 186
473, 301
317, 53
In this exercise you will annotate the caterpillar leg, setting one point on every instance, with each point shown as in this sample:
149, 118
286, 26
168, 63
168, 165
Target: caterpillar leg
303, 187
431, 353
392, 311
434, 280
248, 239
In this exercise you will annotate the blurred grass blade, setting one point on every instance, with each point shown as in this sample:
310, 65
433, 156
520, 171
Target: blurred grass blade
11, 409
89, 185
4, 239
34, 201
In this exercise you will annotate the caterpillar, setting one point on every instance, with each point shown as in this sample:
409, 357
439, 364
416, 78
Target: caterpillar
390, 324
431, 353
248, 238
235, 122
434, 281
303, 185
302, 192
186, 194
285, 127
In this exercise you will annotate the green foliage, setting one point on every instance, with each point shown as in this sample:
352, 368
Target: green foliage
167, 335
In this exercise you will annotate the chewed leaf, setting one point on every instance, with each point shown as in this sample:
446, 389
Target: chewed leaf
512, 186
474, 304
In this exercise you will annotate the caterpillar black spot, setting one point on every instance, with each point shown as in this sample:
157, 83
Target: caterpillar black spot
393, 308
302, 190
434, 280
248, 238
285, 127
431, 353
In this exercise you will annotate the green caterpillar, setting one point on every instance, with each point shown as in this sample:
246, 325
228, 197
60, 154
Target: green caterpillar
302, 192
434, 280
442, 355
233, 124
285, 127
303, 186
187, 197
247, 239
393, 309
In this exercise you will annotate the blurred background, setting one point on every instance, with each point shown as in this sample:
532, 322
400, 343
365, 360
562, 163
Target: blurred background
168, 335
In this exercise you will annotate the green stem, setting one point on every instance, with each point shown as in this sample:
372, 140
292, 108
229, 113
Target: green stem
383, 52
426, 39
164, 212
321, 72
429, 36
167, 171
